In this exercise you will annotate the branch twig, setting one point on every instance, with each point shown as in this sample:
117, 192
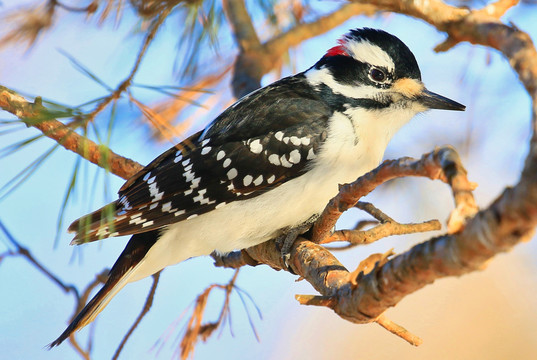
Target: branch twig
80, 300
241, 24
24, 252
195, 329
145, 310
398, 330
100, 155
125, 84
256, 60
442, 164
387, 227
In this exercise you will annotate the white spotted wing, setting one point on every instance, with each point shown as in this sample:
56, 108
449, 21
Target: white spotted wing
241, 155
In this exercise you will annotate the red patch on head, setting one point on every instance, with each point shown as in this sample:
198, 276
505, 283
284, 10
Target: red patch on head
336, 50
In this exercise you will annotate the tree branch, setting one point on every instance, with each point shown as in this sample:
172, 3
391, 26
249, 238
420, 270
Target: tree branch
255, 60
24, 252
442, 164
278, 45
508, 221
195, 330
387, 227
364, 297
398, 330
241, 25
251, 59
125, 84
32, 114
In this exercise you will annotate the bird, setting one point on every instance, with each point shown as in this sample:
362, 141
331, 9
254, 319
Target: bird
267, 165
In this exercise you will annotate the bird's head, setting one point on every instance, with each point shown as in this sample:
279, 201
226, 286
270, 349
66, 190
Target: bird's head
373, 69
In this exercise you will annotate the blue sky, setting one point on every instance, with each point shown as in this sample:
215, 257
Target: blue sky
491, 136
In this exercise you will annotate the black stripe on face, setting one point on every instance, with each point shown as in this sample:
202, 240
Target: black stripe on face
341, 102
346, 70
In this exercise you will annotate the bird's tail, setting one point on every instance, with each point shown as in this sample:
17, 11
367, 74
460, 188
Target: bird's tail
93, 308
121, 273
98, 225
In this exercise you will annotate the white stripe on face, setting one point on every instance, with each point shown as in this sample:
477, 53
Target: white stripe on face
366, 52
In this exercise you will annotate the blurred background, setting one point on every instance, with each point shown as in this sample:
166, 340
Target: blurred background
485, 315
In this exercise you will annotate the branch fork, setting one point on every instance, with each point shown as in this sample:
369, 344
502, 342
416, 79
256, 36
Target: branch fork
363, 295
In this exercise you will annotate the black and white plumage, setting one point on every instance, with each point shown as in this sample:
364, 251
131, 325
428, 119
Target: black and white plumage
267, 164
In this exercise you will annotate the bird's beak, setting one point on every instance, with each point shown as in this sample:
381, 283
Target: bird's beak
432, 100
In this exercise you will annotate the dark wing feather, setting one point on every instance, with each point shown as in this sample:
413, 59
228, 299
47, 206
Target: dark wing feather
224, 164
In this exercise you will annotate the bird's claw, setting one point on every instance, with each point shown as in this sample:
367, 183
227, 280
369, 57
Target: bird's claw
285, 259
287, 239
285, 243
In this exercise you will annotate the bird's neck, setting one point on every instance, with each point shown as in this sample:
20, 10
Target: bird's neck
357, 139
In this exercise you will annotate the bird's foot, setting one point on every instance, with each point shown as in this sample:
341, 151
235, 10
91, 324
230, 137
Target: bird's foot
287, 239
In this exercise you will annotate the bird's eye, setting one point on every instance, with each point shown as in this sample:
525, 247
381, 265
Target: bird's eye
377, 75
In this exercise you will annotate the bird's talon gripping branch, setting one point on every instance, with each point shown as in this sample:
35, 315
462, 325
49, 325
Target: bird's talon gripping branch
285, 241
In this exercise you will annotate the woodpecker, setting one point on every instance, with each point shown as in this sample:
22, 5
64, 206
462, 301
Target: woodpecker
268, 164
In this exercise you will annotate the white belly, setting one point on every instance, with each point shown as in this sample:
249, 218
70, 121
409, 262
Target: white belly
242, 224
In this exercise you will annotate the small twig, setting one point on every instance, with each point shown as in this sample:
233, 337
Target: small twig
100, 278
361, 237
373, 211
85, 354
195, 329
145, 310
443, 164
362, 224
398, 330
24, 252
30, 114
316, 300
89, 9
387, 227
125, 84
332, 302
6, 254
233, 260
